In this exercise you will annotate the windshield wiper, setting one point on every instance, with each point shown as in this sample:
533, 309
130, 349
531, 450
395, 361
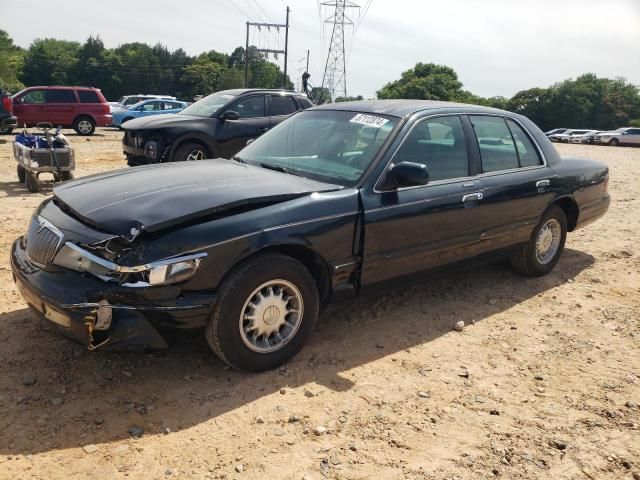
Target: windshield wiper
277, 168
238, 159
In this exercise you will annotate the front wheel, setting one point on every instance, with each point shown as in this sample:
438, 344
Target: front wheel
614, 142
6, 131
190, 151
22, 173
542, 252
31, 182
266, 311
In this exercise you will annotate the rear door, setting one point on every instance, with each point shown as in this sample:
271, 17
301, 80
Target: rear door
171, 107
517, 185
152, 107
415, 228
30, 107
253, 122
61, 106
280, 108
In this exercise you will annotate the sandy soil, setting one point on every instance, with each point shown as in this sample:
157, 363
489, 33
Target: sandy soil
543, 382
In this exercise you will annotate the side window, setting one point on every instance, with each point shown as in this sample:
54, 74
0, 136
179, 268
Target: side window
61, 96
87, 96
151, 106
440, 144
34, 96
305, 102
497, 149
281, 105
171, 105
250, 107
527, 152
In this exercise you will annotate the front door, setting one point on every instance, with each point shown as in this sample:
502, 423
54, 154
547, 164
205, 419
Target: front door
631, 136
61, 106
233, 134
416, 228
30, 107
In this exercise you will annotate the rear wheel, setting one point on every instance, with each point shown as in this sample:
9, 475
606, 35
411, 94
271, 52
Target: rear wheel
84, 126
266, 310
31, 182
6, 131
190, 151
614, 142
542, 252
21, 173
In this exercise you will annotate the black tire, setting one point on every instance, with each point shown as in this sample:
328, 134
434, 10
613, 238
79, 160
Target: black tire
64, 176
223, 331
31, 182
21, 173
6, 131
84, 126
526, 261
614, 142
190, 151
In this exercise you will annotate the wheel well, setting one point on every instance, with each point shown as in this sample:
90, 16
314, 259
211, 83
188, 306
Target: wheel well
314, 263
571, 210
84, 115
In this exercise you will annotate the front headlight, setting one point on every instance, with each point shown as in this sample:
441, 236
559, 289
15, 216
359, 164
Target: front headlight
162, 272
172, 272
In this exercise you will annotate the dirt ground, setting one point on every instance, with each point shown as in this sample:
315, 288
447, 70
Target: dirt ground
543, 382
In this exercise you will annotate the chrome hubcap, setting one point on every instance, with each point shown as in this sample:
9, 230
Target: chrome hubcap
548, 241
195, 155
84, 126
271, 316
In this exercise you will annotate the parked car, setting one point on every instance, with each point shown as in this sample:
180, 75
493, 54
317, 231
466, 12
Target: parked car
81, 108
555, 131
328, 204
216, 126
621, 136
8, 120
567, 135
147, 108
585, 138
129, 100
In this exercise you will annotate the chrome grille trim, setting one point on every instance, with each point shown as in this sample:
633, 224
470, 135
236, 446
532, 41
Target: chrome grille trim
43, 241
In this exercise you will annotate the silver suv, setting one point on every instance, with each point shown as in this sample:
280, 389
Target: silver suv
621, 136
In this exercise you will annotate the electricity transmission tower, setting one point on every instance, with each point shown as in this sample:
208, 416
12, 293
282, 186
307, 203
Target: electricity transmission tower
277, 26
335, 70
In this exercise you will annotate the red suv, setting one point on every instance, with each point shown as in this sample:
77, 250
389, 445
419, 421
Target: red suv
82, 108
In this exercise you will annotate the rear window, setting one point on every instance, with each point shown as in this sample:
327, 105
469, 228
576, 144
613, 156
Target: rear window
88, 96
282, 105
61, 96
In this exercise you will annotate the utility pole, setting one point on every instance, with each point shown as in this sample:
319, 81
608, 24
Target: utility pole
277, 26
335, 71
286, 50
307, 69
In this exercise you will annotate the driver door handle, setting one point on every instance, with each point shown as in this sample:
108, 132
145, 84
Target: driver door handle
543, 183
472, 197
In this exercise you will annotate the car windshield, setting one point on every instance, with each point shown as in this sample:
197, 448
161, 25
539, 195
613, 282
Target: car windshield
207, 106
334, 146
620, 130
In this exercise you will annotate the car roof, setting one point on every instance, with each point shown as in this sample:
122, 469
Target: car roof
404, 107
63, 87
241, 91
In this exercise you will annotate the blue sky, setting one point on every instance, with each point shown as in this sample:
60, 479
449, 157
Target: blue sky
498, 47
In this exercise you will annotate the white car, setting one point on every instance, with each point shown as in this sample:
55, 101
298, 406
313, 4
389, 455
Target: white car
566, 136
621, 136
125, 102
583, 137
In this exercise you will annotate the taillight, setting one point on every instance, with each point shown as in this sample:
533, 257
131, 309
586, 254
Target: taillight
7, 103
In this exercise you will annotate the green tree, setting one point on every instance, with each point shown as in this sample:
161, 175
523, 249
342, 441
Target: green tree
50, 62
349, 99
11, 61
426, 81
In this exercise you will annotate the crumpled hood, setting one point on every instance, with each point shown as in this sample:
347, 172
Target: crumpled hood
151, 198
166, 120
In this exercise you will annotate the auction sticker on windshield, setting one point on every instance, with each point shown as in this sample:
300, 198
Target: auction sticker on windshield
369, 120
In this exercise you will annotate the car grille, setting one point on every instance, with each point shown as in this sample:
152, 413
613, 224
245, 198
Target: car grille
42, 242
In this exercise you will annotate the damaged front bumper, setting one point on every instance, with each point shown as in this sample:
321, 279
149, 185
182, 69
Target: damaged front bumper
107, 316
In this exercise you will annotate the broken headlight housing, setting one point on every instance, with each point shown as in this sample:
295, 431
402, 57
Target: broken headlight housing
162, 272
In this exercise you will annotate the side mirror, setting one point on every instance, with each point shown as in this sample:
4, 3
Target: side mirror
250, 141
409, 174
230, 115
18, 100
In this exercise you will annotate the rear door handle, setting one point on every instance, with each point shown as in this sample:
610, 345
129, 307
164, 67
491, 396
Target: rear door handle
543, 183
472, 197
